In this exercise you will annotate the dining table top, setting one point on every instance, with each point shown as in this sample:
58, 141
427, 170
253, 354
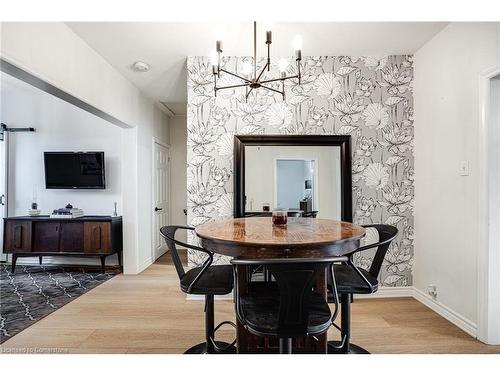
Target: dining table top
260, 233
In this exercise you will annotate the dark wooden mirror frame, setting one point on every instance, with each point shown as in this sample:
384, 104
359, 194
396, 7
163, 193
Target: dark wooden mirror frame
342, 141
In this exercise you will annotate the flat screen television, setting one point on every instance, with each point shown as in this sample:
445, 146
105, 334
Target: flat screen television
74, 170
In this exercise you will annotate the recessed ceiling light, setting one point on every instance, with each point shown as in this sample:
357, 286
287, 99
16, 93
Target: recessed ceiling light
140, 66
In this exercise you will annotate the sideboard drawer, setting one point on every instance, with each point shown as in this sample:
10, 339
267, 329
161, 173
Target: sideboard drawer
97, 237
46, 236
17, 237
71, 237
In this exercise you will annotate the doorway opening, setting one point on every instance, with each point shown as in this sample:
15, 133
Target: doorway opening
161, 195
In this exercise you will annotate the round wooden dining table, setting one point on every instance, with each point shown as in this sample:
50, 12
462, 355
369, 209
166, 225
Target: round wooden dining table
258, 238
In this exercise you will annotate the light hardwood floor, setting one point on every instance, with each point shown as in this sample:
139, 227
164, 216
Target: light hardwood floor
147, 313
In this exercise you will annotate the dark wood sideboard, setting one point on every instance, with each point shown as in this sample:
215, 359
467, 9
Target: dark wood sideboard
87, 236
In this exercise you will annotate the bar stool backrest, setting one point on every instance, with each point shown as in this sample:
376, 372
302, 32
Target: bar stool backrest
295, 279
386, 233
168, 232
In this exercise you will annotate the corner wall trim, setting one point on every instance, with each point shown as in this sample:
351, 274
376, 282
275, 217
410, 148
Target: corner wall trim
447, 313
29, 78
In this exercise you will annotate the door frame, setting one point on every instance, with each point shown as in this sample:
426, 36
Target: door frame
152, 205
488, 259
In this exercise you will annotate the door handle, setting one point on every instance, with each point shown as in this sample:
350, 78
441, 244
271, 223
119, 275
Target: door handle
158, 209
2, 197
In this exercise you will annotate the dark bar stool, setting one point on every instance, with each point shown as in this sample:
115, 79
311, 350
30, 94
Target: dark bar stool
350, 280
287, 308
206, 280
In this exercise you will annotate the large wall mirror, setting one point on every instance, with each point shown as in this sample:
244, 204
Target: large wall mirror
307, 175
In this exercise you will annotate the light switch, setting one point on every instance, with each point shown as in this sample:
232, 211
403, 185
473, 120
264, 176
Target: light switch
464, 168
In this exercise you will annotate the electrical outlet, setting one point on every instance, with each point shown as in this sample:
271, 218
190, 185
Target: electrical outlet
432, 291
464, 168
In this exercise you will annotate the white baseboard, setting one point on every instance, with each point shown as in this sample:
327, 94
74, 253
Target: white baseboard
388, 292
383, 292
447, 313
145, 264
148, 262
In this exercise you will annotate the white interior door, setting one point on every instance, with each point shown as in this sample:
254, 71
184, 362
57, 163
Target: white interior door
161, 195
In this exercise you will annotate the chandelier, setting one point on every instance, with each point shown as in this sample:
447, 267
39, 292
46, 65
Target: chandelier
251, 80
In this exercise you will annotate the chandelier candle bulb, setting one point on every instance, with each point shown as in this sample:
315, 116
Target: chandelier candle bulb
213, 59
214, 62
218, 46
298, 55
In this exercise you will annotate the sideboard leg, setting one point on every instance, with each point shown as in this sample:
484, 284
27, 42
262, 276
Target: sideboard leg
40, 260
120, 260
103, 264
14, 259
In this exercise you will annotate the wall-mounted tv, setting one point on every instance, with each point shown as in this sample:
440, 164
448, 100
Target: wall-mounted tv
74, 170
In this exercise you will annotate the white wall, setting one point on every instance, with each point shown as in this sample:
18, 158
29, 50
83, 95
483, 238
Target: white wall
60, 126
289, 183
52, 52
178, 154
447, 116
157, 128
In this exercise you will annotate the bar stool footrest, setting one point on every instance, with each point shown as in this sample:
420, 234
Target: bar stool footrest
353, 348
202, 348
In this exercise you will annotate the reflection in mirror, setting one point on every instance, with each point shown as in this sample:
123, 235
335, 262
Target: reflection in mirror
306, 180
294, 184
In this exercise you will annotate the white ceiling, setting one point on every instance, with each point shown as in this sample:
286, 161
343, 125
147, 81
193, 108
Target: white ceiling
165, 46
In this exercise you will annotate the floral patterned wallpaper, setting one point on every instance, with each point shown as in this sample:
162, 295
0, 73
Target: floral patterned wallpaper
370, 98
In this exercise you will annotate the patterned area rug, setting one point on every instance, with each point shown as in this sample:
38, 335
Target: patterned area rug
33, 292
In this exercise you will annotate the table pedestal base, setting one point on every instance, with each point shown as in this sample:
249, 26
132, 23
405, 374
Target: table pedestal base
202, 348
353, 349
250, 343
